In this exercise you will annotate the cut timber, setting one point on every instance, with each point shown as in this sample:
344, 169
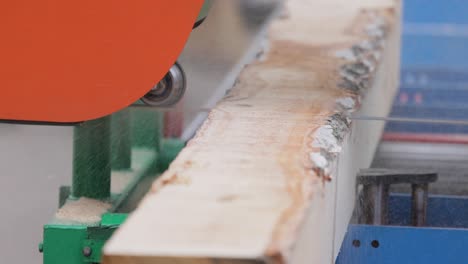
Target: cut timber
270, 177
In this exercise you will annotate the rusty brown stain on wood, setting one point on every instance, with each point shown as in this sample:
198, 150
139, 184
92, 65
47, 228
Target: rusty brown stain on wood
252, 157
175, 177
228, 198
304, 60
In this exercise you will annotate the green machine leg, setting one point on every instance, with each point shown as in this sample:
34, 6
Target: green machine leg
121, 142
128, 145
91, 160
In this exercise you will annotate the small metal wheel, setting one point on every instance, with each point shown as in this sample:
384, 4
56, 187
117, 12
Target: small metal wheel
199, 22
169, 91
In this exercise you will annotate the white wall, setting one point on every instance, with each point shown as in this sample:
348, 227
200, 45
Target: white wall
34, 162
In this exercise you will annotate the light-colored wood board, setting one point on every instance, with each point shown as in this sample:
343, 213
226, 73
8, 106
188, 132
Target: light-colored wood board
270, 175
363, 141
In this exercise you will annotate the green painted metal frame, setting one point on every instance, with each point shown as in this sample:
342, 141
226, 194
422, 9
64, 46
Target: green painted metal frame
77, 244
129, 142
91, 159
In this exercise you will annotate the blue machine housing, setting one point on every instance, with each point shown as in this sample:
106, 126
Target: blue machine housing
434, 85
434, 78
443, 241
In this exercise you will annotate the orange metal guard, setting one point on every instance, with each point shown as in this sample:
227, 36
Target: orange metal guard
70, 61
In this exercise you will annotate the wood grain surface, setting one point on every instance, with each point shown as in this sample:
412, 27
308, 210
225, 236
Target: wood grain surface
270, 176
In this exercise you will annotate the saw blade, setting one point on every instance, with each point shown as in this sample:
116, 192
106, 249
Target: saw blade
409, 120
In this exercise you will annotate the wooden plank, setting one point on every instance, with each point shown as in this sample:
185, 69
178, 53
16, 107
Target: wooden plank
270, 177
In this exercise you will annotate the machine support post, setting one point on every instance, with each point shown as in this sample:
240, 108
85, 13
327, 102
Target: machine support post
376, 201
419, 197
121, 141
92, 159
147, 129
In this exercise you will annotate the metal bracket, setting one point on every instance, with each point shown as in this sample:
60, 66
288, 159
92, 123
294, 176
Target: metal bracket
127, 147
376, 190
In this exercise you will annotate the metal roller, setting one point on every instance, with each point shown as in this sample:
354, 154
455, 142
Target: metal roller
169, 91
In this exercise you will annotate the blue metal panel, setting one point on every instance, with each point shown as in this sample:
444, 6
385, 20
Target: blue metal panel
442, 211
435, 51
431, 94
442, 243
425, 128
427, 77
435, 66
403, 245
436, 11
435, 33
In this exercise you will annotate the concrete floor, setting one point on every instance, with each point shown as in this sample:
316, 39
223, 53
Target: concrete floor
36, 160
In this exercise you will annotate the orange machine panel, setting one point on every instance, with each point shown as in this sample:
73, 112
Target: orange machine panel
69, 61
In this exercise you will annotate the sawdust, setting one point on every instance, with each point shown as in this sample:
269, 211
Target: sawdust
84, 210
361, 59
319, 160
346, 104
324, 138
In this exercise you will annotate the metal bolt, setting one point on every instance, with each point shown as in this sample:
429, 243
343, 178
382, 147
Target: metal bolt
87, 251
